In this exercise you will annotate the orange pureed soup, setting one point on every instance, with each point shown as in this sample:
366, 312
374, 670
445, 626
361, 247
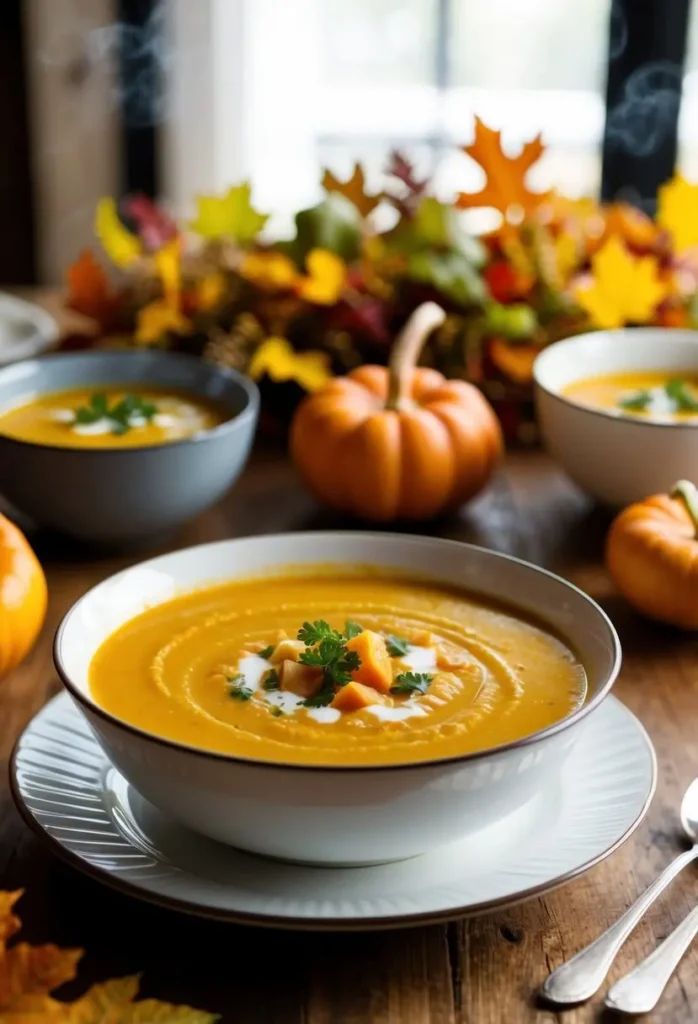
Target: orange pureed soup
332, 669
650, 394
115, 416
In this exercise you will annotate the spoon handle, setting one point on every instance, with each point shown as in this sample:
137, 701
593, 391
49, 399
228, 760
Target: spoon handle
581, 976
639, 991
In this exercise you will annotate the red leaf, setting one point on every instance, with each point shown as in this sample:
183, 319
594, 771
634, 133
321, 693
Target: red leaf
155, 227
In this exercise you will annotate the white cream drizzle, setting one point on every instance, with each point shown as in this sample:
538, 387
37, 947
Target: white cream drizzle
253, 669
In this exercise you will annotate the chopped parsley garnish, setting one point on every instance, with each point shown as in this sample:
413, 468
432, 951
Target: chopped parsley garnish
267, 652
397, 646
637, 402
270, 680
352, 629
326, 649
121, 414
275, 711
238, 690
411, 682
676, 390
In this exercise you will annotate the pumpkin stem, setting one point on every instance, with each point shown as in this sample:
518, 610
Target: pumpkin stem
407, 348
685, 490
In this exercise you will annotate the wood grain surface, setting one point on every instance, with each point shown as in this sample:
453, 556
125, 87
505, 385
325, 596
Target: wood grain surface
482, 971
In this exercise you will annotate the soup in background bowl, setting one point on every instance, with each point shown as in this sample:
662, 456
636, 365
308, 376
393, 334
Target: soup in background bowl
238, 708
101, 462
109, 416
616, 410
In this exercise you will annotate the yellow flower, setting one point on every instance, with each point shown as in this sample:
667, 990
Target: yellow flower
272, 271
276, 359
121, 246
158, 319
677, 212
327, 276
625, 289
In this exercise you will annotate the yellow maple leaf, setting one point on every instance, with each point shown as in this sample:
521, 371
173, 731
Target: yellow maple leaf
121, 246
327, 276
156, 320
28, 974
354, 189
229, 216
210, 291
271, 271
276, 359
505, 187
168, 266
625, 289
677, 212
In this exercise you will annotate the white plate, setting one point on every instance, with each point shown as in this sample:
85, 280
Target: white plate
69, 793
25, 329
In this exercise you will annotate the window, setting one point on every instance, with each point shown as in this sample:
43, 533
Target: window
328, 82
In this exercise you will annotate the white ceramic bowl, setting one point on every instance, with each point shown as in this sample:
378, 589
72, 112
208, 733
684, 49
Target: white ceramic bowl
618, 459
336, 815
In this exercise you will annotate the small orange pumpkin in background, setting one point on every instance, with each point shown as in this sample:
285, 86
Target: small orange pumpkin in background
23, 596
400, 442
652, 555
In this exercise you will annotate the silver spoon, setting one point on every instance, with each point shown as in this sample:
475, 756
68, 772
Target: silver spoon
584, 974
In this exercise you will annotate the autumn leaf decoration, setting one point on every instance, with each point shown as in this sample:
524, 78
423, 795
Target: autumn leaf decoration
28, 975
164, 316
231, 216
121, 246
354, 189
623, 289
505, 188
89, 291
677, 212
277, 360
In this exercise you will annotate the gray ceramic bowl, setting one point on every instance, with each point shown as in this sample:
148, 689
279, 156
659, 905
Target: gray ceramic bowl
122, 496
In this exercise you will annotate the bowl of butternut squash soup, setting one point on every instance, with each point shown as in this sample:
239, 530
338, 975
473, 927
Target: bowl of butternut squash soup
619, 410
117, 447
337, 698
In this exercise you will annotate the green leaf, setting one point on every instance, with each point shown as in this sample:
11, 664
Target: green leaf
238, 690
450, 273
352, 629
411, 682
334, 224
270, 680
516, 322
320, 699
677, 391
636, 402
314, 632
267, 652
275, 711
122, 413
231, 215
397, 645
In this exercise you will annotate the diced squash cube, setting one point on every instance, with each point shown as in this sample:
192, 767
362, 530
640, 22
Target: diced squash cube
376, 668
253, 647
287, 650
303, 680
449, 658
422, 638
355, 696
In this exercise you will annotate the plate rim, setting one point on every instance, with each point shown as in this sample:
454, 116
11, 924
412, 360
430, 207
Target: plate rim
44, 323
288, 923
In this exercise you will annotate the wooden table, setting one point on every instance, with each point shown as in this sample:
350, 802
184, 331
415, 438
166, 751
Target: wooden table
482, 971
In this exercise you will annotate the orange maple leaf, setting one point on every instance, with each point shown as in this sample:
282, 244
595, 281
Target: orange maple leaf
354, 189
505, 189
89, 292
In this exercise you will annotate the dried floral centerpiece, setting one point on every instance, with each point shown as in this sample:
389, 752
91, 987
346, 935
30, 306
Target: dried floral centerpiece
293, 312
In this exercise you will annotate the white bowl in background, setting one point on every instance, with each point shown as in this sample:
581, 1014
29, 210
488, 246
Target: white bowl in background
617, 458
336, 815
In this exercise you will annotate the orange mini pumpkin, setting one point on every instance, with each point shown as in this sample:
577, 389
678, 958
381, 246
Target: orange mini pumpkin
22, 596
652, 555
399, 442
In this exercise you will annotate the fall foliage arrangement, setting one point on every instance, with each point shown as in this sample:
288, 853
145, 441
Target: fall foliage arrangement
293, 313
28, 975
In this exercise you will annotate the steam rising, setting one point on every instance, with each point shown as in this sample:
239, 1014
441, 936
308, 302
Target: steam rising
647, 111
